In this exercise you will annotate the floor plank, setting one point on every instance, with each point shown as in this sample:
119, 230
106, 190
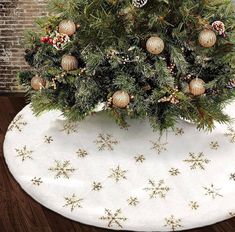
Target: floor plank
20, 213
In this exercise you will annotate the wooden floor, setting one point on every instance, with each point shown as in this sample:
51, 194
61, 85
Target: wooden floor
20, 213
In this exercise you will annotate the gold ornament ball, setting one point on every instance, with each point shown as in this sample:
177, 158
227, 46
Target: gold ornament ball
69, 63
197, 87
155, 45
121, 99
207, 38
67, 27
38, 83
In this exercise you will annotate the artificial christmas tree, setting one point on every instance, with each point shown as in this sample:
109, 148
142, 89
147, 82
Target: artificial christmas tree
174, 59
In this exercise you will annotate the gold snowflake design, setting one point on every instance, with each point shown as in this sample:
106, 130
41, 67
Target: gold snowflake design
158, 146
96, 186
18, 123
139, 158
232, 176
133, 201
82, 153
197, 161
214, 145
193, 205
105, 141
118, 174
69, 127
158, 189
48, 139
113, 219
62, 169
173, 223
37, 181
179, 131
73, 202
231, 135
174, 171
212, 191
24, 153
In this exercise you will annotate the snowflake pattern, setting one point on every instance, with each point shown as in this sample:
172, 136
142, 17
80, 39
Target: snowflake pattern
18, 123
96, 186
73, 202
24, 153
82, 153
158, 189
133, 201
48, 139
232, 176
106, 141
37, 181
118, 174
214, 145
139, 158
197, 161
159, 147
231, 135
114, 219
231, 214
69, 127
62, 169
174, 171
193, 205
179, 131
173, 223
212, 191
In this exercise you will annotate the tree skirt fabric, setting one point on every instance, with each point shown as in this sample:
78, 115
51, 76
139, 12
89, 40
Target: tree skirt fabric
99, 174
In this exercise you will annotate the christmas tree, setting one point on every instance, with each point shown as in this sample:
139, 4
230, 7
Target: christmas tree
161, 59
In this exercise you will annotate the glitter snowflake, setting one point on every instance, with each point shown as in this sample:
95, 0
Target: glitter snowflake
82, 153
24, 153
48, 139
69, 127
158, 189
18, 123
62, 169
179, 131
212, 191
37, 181
214, 145
231, 135
113, 219
174, 171
118, 174
197, 161
133, 201
173, 223
139, 159
73, 202
96, 186
105, 141
159, 147
193, 205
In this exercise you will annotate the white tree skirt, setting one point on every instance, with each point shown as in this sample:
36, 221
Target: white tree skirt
101, 175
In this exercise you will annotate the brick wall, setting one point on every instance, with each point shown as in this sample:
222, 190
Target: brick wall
15, 17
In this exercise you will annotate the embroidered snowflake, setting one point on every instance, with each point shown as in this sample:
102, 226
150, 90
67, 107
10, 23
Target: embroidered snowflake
174, 171
212, 191
62, 169
139, 159
193, 205
231, 135
105, 141
48, 139
96, 186
73, 202
82, 153
118, 174
133, 201
24, 153
18, 123
214, 145
179, 131
114, 219
158, 189
37, 181
197, 161
173, 223
159, 147
69, 127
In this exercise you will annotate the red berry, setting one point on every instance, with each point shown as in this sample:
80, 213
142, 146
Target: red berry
42, 40
50, 41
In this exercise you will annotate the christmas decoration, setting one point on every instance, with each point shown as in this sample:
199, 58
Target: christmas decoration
155, 45
37, 82
67, 27
60, 41
219, 27
69, 63
121, 99
207, 38
139, 3
197, 87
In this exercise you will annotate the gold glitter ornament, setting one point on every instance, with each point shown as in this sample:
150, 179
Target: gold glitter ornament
197, 87
67, 27
69, 63
155, 45
207, 38
38, 83
121, 99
